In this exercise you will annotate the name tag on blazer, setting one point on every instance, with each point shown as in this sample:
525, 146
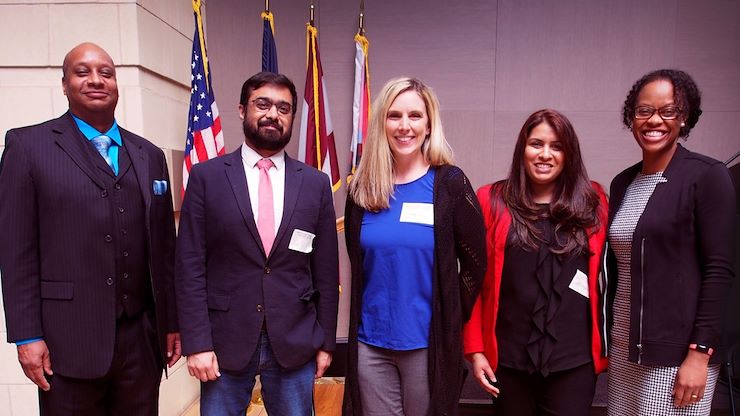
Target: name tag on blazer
580, 283
419, 213
159, 187
301, 241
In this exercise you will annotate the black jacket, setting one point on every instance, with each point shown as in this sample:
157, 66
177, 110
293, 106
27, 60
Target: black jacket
56, 250
459, 236
681, 260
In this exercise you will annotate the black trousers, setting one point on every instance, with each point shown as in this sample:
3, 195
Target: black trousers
562, 393
131, 386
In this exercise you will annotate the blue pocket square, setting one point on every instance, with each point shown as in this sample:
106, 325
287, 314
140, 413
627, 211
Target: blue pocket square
159, 187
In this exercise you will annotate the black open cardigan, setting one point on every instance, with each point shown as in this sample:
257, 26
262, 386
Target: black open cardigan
459, 237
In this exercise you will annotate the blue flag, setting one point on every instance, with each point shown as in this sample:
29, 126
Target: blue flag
269, 51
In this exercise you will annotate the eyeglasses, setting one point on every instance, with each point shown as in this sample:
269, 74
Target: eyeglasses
264, 105
668, 112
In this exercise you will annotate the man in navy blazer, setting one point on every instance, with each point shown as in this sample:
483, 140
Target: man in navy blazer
87, 252
255, 300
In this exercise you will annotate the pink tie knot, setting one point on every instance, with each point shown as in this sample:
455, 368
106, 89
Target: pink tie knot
265, 164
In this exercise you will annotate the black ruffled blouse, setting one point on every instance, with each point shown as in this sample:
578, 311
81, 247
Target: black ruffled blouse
543, 325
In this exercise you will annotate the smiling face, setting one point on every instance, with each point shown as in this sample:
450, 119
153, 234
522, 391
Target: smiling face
544, 160
267, 129
656, 137
407, 125
89, 83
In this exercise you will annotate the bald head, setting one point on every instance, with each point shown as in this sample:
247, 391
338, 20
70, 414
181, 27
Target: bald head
82, 47
89, 82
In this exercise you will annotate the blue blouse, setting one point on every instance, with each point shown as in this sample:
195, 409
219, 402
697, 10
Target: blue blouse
398, 258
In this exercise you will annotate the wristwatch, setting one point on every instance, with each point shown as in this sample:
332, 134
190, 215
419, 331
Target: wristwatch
706, 349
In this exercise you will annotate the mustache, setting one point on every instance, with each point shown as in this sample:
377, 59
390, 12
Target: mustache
270, 123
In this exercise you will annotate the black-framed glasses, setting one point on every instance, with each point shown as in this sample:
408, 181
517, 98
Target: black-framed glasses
669, 112
264, 105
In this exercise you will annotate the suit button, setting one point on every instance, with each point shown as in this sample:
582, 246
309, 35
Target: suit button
267, 270
104, 194
125, 254
123, 231
108, 238
121, 210
125, 275
109, 281
260, 308
118, 187
125, 297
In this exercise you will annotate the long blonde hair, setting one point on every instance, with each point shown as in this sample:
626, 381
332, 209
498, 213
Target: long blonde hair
372, 185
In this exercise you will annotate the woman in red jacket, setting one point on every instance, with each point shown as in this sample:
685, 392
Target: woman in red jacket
535, 337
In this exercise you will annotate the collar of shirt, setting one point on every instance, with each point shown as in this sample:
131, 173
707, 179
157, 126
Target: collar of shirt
250, 158
91, 132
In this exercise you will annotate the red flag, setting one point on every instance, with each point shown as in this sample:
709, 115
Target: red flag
316, 145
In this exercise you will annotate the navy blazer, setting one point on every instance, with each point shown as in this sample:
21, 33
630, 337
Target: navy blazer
54, 258
226, 286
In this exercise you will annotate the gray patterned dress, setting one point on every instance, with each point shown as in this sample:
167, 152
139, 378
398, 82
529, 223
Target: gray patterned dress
636, 389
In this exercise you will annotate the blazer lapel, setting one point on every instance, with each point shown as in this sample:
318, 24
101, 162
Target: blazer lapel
69, 138
293, 182
238, 181
140, 162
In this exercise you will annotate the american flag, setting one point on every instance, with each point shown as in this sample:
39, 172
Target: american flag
204, 140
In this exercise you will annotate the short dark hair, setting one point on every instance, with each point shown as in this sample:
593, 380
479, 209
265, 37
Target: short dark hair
686, 95
258, 80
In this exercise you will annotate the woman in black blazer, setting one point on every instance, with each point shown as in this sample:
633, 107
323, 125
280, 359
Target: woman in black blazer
669, 258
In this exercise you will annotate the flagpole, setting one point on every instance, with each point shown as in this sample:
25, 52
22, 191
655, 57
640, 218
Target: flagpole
196, 9
361, 29
312, 33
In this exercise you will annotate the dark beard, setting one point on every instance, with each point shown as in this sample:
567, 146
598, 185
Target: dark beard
266, 140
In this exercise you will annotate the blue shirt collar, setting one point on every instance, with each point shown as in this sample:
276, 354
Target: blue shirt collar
91, 132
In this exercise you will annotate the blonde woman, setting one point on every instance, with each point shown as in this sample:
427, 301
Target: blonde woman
411, 218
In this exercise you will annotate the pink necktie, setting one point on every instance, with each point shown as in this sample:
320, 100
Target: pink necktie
266, 212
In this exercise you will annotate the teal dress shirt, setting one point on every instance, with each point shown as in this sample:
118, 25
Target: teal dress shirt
114, 133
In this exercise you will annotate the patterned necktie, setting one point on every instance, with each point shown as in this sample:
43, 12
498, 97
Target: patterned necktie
265, 210
102, 143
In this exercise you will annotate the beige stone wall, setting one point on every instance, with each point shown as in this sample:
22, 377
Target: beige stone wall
150, 42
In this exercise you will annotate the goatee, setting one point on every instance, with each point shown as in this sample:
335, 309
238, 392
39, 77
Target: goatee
266, 139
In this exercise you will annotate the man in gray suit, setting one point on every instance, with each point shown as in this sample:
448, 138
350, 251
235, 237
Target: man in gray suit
87, 252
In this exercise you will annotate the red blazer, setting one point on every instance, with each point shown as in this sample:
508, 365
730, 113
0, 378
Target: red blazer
479, 334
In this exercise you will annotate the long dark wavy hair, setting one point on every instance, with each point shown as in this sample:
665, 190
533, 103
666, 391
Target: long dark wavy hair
574, 205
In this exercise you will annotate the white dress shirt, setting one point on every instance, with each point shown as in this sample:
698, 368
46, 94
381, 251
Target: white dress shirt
277, 177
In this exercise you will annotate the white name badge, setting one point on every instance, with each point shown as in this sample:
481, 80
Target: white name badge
301, 241
580, 283
418, 213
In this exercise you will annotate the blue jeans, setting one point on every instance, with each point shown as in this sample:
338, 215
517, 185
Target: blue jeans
285, 392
